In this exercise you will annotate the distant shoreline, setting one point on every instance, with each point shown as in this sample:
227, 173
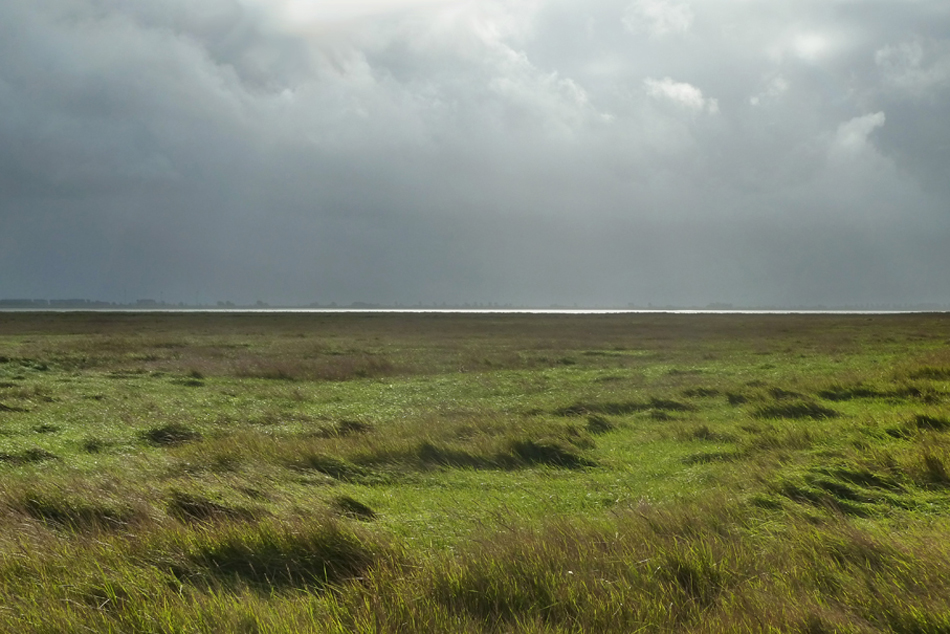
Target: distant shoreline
487, 311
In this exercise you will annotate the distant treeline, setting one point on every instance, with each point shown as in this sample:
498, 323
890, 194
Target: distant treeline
54, 303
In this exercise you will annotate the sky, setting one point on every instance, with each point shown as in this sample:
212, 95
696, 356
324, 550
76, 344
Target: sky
531, 152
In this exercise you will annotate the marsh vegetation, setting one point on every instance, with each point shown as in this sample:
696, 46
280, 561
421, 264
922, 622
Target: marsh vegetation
474, 473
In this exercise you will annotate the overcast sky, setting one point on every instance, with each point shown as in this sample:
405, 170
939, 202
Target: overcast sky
599, 152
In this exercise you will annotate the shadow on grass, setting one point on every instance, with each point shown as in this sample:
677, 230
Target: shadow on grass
267, 558
620, 408
920, 423
795, 410
344, 429
597, 424
171, 434
382, 466
713, 456
532, 452
73, 513
838, 392
932, 373
29, 456
188, 507
336, 468
518, 454
931, 423
700, 392
352, 508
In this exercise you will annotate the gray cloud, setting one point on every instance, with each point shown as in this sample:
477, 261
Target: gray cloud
527, 152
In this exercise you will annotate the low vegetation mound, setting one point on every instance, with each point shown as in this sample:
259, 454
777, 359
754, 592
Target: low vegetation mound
621, 408
171, 434
795, 410
72, 512
269, 557
838, 392
190, 507
932, 373
548, 453
344, 429
508, 454
27, 456
337, 468
931, 423
701, 392
597, 424
355, 509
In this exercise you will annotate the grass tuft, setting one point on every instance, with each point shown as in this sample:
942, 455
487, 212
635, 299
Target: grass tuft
353, 508
621, 408
268, 557
189, 507
336, 468
548, 453
343, 429
597, 424
696, 572
932, 373
171, 434
795, 410
704, 433
712, 456
839, 392
781, 394
736, 398
71, 512
931, 423
28, 456
438, 454
936, 469
93, 445
701, 392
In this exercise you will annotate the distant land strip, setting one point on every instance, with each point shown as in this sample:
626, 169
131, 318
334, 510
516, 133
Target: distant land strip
152, 304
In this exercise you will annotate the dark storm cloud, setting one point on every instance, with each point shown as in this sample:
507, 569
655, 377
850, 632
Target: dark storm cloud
604, 152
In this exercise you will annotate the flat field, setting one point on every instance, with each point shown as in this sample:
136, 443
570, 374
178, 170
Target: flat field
253, 472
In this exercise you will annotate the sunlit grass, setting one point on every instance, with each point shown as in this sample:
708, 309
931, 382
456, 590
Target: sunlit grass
481, 473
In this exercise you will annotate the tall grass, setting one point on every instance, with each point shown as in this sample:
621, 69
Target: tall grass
371, 473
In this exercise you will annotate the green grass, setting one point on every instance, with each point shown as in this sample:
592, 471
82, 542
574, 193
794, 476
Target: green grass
474, 473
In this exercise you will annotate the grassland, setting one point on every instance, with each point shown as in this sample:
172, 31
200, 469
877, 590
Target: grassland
474, 473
